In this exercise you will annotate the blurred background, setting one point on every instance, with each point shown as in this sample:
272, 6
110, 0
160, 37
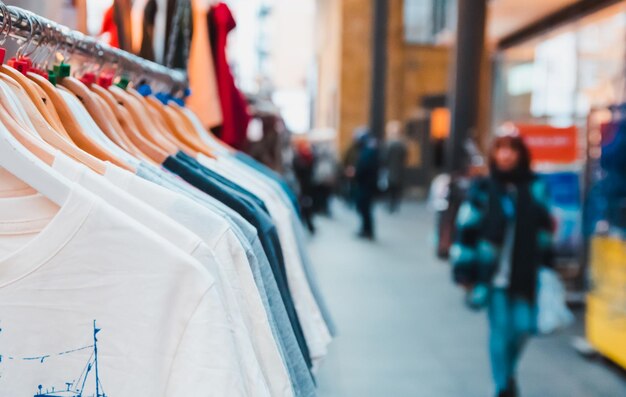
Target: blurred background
379, 113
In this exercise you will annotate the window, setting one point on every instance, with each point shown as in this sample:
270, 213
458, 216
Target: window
426, 20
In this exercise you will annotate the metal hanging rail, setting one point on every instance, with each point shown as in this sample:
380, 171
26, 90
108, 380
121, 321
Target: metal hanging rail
34, 30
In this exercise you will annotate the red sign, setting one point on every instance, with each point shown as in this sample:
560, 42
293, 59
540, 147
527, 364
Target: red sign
550, 144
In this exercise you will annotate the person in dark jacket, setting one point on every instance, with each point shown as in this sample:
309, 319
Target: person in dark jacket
504, 235
303, 164
366, 183
395, 156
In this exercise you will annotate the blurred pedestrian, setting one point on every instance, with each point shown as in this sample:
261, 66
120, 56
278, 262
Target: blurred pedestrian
394, 162
324, 178
303, 163
366, 183
504, 236
350, 158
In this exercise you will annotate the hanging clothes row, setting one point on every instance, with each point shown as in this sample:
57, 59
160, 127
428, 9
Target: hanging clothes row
139, 254
190, 35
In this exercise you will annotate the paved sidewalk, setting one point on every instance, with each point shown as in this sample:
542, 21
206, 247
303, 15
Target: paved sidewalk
404, 331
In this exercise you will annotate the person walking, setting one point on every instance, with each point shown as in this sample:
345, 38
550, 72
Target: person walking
303, 164
395, 155
366, 183
504, 235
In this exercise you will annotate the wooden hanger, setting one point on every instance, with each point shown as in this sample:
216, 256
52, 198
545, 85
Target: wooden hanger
150, 150
39, 98
183, 113
93, 107
190, 133
51, 136
154, 107
142, 120
166, 129
28, 140
22, 154
115, 124
80, 137
178, 129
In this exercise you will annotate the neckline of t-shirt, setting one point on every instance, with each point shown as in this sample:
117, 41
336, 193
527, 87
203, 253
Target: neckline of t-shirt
34, 217
61, 228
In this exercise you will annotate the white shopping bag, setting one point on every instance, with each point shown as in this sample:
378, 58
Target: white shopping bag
552, 311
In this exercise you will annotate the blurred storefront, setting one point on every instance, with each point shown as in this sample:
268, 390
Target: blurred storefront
417, 67
559, 79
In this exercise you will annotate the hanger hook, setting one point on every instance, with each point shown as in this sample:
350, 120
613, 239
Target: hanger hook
70, 52
42, 47
56, 39
31, 23
7, 23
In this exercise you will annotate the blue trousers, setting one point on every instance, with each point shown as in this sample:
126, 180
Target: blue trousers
511, 322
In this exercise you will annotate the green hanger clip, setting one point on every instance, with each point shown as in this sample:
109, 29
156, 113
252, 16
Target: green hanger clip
62, 70
123, 83
52, 77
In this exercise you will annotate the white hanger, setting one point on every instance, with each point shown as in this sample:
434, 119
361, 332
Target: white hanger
26, 166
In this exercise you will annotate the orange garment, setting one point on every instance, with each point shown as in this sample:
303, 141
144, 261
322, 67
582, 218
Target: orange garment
204, 99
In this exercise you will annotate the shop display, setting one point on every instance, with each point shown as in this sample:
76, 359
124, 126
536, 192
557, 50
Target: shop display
605, 226
140, 254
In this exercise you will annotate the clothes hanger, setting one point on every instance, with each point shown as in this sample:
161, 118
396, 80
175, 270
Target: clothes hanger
49, 135
81, 91
112, 119
35, 122
100, 99
27, 158
78, 135
216, 145
37, 95
160, 119
88, 124
30, 168
188, 132
150, 150
178, 129
10, 126
142, 120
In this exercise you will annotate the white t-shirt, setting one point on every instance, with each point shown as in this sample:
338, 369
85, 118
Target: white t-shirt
186, 241
314, 327
84, 281
217, 234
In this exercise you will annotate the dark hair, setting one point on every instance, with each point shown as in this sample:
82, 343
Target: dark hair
522, 170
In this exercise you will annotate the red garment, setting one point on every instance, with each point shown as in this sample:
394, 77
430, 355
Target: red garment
234, 105
109, 26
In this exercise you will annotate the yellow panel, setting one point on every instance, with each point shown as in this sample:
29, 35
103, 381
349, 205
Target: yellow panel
606, 304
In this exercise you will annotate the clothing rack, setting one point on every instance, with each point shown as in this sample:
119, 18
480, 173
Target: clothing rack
33, 30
